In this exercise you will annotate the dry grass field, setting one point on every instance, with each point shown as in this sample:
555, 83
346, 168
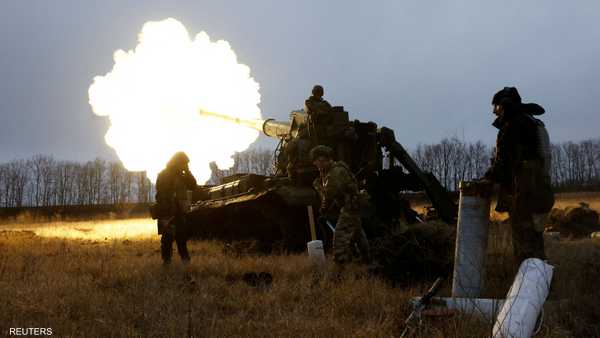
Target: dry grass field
563, 200
573, 198
105, 279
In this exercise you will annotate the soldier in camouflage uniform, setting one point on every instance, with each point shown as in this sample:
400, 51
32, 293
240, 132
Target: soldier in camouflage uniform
319, 115
299, 166
340, 199
315, 104
521, 166
172, 186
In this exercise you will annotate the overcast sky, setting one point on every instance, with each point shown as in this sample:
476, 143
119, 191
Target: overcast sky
427, 69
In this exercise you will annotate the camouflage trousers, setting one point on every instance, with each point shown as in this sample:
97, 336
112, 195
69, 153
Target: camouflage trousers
173, 230
348, 232
527, 236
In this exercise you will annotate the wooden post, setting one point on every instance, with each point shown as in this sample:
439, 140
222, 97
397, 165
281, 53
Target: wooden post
311, 222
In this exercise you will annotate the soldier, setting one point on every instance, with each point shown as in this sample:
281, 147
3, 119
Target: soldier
299, 166
340, 199
318, 111
521, 166
172, 186
315, 104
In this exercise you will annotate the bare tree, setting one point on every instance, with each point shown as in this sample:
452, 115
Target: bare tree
4, 185
14, 177
65, 183
452, 160
41, 171
144, 188
116, 174
576, 165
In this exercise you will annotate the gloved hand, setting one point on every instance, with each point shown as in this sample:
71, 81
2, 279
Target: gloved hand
321, 219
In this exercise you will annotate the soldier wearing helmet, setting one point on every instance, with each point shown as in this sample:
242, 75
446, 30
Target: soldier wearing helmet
315, 103
318, 110
173, 187
521, 166
340, 202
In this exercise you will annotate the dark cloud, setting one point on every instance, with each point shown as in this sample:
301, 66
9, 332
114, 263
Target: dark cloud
426, 69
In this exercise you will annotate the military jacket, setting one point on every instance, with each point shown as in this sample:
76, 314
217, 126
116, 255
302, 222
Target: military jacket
315, 106
521, 164
171, 190
338, 189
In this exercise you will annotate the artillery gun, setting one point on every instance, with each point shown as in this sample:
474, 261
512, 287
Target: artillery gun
273, 209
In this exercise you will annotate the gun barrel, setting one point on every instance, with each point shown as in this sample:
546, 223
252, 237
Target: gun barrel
269, 127
278, 129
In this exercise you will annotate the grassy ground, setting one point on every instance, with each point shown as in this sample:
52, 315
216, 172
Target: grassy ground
104, 278
573, 198
87, 285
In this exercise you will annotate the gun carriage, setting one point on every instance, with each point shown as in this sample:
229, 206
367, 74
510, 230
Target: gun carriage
273, 209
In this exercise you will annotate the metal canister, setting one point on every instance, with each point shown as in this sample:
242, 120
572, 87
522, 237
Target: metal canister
471, 239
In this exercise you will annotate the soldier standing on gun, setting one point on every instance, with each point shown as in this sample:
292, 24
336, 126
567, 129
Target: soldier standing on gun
340, 198
318, 110
521, 166
172, 186
315, 104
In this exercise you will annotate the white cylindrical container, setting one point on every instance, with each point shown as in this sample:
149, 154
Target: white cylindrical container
524, 301
316, 252
471, 240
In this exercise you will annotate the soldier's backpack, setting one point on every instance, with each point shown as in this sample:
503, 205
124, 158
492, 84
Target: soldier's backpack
533, 181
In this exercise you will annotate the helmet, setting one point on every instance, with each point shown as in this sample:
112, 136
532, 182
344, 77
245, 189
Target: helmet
318, 91
180, 158
320, 151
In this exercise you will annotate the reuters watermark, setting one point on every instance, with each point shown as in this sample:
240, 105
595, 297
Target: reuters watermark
30, 331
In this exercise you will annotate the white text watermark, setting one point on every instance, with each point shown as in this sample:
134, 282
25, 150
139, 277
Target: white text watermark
30, 331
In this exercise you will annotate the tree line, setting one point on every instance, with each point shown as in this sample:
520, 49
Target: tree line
257, 161
575, 165
44, 181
